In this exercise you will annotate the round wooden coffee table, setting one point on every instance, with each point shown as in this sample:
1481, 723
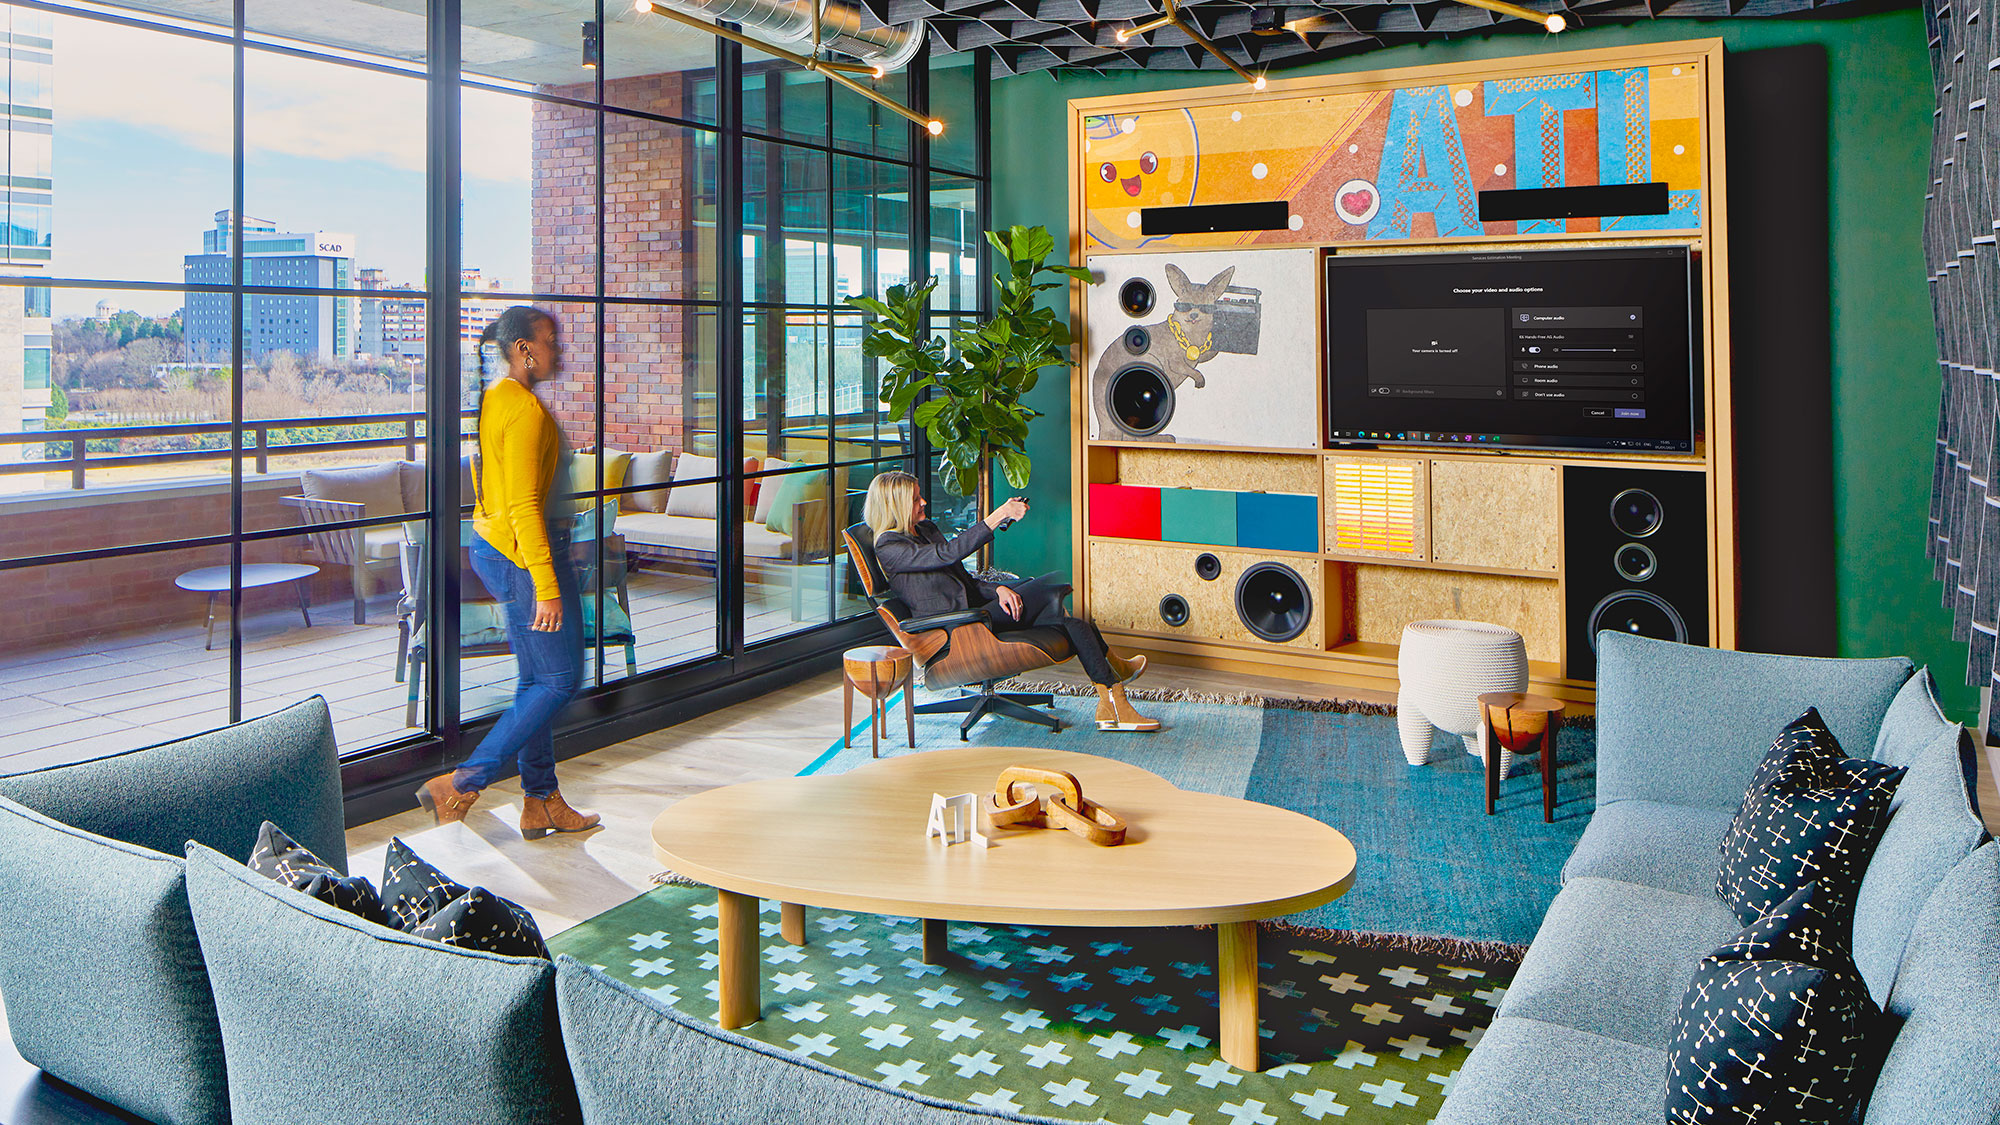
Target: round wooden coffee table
856, 841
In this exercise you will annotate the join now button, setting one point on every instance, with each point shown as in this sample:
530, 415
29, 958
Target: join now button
1629, 412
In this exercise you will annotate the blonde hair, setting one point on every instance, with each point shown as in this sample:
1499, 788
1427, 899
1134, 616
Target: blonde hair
891, 503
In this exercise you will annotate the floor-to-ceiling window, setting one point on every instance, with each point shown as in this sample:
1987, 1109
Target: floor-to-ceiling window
251, 256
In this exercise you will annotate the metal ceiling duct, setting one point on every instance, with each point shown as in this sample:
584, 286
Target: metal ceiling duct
791, 21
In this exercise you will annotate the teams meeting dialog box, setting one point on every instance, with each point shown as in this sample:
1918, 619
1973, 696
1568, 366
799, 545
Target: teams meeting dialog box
1590, 355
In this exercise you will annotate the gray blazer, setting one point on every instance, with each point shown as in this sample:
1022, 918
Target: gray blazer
925, 571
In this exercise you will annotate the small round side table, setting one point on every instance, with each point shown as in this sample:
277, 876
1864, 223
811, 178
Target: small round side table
876, 672
1518, 723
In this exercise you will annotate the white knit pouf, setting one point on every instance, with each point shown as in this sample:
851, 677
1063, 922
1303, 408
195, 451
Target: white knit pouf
1445, 666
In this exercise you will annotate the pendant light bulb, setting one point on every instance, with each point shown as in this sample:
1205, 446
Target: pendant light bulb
1258, 84
1555, 23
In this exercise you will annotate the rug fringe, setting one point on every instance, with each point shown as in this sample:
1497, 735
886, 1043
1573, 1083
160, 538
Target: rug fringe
1495, 953
1585, 720
674, 879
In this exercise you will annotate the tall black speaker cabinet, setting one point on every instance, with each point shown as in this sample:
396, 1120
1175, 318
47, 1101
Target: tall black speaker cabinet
1635, 558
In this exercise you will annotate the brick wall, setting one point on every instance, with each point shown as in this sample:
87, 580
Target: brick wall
648, 368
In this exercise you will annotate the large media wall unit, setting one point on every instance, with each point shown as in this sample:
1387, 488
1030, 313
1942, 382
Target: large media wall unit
1367, 349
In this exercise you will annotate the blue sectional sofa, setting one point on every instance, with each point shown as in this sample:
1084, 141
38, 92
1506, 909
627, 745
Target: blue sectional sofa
1582, 1034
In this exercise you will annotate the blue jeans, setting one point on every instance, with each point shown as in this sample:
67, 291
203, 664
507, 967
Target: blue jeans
551, 673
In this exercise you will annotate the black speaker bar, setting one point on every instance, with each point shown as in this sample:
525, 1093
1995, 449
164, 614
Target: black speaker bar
1210, 218
1573, 202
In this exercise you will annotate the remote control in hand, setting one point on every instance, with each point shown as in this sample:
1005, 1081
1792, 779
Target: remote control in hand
1007, 523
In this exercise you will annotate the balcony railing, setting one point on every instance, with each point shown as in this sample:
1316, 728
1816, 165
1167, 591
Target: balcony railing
256, 442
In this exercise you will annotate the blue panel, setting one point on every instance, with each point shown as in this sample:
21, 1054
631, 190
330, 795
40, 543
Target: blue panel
1277, 521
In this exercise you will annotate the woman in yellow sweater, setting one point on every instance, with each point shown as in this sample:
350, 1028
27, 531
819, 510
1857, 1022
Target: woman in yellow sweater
522, 555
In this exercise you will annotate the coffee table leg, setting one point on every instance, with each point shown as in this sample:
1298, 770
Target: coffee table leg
935, 943
792, 922
737, 968
300, 586
208, 643
1237, 979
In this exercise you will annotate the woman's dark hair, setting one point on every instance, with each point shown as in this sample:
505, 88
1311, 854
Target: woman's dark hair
514, 324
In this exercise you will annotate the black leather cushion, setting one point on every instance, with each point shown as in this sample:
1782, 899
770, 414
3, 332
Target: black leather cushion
480, 919
1812, 813
413, 890
278, 857
863, 538
1774, 1026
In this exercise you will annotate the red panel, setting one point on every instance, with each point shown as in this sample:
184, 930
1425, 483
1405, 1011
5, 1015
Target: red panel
1124, 511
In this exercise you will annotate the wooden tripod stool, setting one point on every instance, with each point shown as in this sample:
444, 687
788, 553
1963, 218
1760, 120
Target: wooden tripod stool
877, 672
1521, 724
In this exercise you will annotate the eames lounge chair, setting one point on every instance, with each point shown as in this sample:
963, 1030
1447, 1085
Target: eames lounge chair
959, 649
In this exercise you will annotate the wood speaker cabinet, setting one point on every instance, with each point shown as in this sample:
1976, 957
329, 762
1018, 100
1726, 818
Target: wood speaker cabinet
1208, 594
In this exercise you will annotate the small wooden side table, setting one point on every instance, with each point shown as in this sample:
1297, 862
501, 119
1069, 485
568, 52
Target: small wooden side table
877, 672
1517, 723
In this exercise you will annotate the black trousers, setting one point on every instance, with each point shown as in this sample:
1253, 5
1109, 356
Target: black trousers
1042, 604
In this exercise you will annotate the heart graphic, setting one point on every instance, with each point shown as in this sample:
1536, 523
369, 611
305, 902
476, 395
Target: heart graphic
1356, 202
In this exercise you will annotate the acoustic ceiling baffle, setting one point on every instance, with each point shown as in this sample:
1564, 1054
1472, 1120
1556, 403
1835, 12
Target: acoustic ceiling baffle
1172, 18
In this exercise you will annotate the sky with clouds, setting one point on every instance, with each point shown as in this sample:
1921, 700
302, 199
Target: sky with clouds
143, 136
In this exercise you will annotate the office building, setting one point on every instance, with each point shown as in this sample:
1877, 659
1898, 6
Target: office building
311, 325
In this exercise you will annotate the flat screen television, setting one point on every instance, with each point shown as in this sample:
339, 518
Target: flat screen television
1539, 349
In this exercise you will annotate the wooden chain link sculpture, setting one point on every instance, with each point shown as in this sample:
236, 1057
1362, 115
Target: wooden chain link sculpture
1055, 800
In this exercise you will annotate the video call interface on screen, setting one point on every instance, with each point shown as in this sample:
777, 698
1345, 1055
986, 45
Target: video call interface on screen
1584, 350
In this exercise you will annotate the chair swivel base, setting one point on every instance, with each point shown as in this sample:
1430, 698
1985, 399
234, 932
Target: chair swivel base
977, 704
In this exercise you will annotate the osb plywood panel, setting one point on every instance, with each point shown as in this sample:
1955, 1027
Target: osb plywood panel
1378, 507
1386, 598
1499, 514
1229, 472
1128, 580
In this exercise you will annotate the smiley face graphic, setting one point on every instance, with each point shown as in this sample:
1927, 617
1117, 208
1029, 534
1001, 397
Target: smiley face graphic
1134, 161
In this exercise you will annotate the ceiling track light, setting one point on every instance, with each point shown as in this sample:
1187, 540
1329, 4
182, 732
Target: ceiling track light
1172, 18
835, 72
593, 45
1552, 22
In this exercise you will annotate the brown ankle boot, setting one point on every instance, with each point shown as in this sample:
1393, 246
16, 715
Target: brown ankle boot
1114, 712
543, 815
444, 799
1128, 668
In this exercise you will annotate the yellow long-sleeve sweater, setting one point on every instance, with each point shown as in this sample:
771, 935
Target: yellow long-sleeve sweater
519, 446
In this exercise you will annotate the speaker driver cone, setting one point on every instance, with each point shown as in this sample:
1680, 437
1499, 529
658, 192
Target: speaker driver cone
1636, 513
1142, 400
1174, 610
1638, 613
1137, 340
1136, 297
1635, 562
1207, 567
1273, 602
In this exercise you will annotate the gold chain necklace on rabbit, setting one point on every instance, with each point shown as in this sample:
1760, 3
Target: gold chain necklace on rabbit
1193, 350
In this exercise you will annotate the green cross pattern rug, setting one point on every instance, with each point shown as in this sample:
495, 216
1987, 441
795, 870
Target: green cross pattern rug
1089, 1024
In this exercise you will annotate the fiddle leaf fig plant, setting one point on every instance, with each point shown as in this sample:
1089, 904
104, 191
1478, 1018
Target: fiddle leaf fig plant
978, 377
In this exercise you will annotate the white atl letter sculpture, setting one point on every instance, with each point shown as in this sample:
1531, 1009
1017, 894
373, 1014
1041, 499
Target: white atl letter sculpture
1445, 666
956, 819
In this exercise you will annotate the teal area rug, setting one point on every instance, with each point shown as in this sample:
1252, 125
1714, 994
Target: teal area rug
1431, 862
1081, 1023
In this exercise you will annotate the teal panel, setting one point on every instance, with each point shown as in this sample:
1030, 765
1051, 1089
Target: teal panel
1198, 515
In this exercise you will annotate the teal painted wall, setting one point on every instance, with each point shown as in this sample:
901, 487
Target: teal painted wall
1885, 386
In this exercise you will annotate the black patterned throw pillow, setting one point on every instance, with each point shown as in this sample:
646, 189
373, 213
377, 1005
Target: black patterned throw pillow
413, 890
1774, 1026
283, 859
1811, 813
480, 919
424, 902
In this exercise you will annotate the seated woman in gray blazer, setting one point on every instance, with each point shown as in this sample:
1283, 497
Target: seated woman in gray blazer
927, 572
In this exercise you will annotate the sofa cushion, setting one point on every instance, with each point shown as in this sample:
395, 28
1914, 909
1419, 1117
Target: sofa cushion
583, 474
642, 1063
693, 499
793, 490
387, 1021
767, 491
378, 487
480, 919
413, 890
1774, 1026
1914, 720
1530, 1072
382, 542
697, 535
1812, 814
1615, 958
217, 787
1932, 826
1666, 846
653, 469
1947, 998
102, 972
283, 860
1662, 706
